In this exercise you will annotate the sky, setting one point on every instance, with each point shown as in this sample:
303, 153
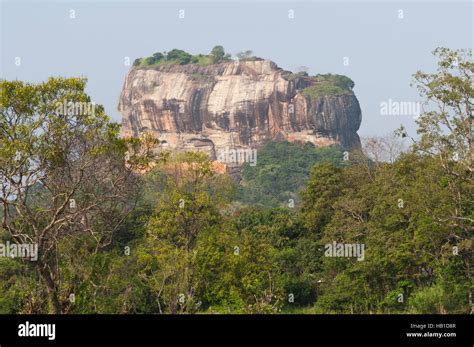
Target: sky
379, 45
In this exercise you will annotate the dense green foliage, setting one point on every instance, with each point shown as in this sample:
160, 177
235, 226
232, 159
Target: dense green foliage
196, 242
397, 214
329, 84
282, 170
63, 178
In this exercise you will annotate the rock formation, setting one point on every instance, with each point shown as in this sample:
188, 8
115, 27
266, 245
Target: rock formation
234, 104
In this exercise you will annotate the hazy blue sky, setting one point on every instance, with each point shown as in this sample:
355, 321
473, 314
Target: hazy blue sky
383, 50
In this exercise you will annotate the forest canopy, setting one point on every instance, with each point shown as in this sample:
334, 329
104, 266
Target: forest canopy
181, 238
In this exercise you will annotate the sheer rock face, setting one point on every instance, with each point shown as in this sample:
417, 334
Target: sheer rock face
232, 105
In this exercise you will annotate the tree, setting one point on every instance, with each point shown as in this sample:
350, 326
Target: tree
158, 56
303, 70
323, 186
188, 205
446, 125
178, 56
383, 148
244, 55
217, 54
137, 62
62, 172
446, 128
150, 61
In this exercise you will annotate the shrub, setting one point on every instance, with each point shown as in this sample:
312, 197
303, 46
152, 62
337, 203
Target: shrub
322, 85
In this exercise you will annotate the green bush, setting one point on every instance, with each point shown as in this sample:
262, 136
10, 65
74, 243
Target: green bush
322, 85
427, 300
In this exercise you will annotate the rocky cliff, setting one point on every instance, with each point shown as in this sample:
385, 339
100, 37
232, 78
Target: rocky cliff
235, 104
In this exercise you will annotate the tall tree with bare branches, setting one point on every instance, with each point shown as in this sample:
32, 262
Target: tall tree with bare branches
62, 172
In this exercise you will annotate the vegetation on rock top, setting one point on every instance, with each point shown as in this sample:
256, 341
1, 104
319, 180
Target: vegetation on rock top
316, 86
328, 84
180, 57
